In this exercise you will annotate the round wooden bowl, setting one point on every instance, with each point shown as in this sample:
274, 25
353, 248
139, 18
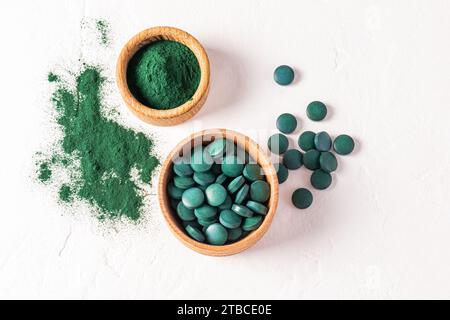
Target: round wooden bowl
176, 115
184, 147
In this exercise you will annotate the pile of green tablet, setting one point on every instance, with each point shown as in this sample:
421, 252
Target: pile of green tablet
317, 154
219, 193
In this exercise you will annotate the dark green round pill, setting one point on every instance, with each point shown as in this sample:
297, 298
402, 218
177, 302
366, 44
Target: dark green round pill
278, 143
216, 234
193, 198
236, 184
242, 210
328, 161
282, 172
283, 75
234, 234
174, 192
311, 159
232, 166
242, 194
322, 141
204, 178
292, 159
195, 233
260, 191
217, 148
252, 223
216, 194
343, 144
316, 111
230, 219
182, 169
183, 182
201, 161
320, 179
306, 140
252, 172
302, 198
184, 213
257, 207
205, 212
286, 123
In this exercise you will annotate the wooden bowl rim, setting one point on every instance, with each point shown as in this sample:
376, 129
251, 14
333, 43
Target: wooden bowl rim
257, 153
150, 35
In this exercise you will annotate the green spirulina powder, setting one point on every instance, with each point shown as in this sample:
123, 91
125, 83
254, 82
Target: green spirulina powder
163, 75
45, 173
104, 29
98, 153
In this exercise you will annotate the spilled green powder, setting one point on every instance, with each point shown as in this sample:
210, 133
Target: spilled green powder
99, 154
103, 28
65, 193
164, 74
52, 77
44, 172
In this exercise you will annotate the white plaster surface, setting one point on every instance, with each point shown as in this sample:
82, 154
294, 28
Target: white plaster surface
381, 231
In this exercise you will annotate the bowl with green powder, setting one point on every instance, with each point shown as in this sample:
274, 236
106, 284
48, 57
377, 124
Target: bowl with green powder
163, 74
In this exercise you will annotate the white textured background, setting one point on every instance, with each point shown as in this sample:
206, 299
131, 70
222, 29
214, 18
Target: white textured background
381, 231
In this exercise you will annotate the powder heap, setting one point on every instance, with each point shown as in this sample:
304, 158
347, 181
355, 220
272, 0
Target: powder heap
99, 154
164, 74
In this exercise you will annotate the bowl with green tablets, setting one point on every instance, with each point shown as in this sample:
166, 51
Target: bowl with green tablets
163, 75
218, 192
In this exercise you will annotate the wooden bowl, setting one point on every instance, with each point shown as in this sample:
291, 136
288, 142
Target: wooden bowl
176, 115
204, 137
